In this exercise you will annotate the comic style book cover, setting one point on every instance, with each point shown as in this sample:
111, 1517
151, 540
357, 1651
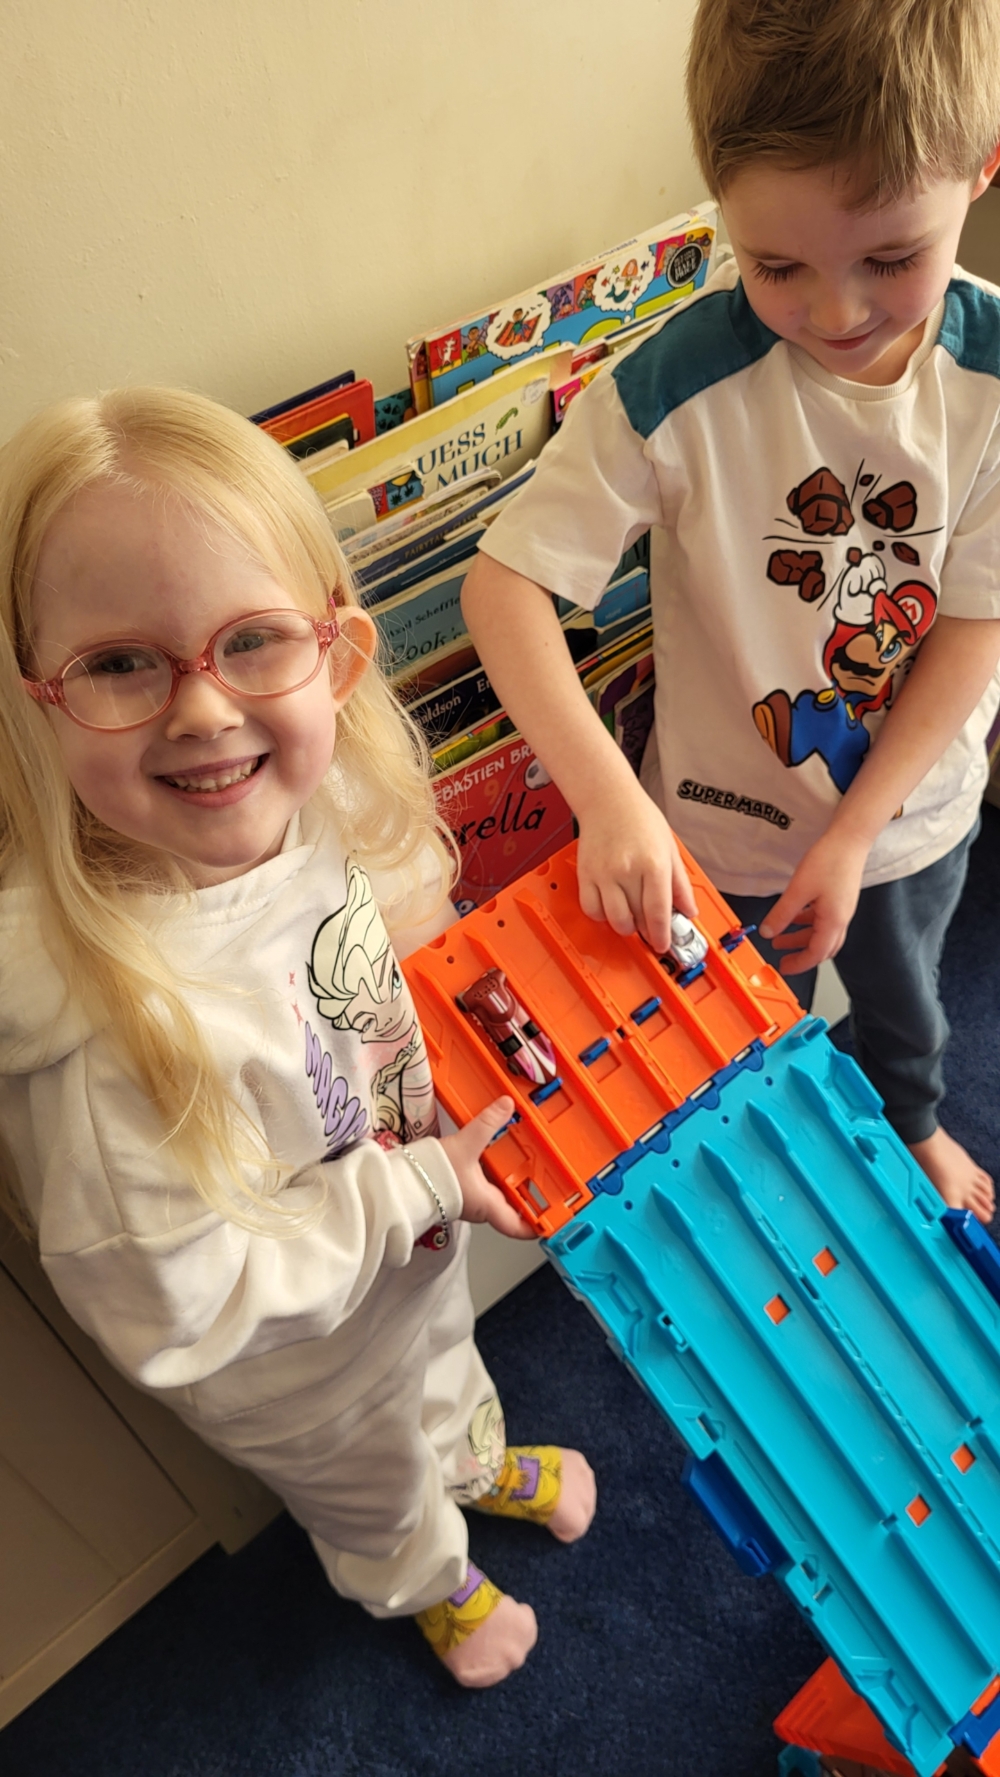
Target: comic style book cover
501, 424
506, 815
635, 281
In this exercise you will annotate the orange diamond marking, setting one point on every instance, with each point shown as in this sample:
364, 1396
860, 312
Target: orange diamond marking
825, 1262
918, 1510
963, 1458
776, 1310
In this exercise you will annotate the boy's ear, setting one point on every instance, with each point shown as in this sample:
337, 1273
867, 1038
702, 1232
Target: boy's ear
353, 652
987, 175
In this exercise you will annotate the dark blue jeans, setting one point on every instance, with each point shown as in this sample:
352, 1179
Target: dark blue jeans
889, 965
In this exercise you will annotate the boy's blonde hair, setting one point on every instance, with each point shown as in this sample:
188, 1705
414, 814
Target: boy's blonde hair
891, 90
184, 446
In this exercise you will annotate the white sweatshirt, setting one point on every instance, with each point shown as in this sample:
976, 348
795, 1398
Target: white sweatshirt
293, 980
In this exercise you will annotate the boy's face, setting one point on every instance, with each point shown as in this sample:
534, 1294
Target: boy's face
853, 288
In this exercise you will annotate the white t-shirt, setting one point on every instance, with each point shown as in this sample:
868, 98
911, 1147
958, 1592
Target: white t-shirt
807, 530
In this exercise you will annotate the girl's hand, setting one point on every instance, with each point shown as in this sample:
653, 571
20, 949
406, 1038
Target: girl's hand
820, 900
482, 1201
630, 869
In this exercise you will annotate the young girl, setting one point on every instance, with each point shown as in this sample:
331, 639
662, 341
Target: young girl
212, 1081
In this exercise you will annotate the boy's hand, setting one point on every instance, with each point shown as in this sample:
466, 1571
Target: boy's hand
630, 869
819, 901
482, 1201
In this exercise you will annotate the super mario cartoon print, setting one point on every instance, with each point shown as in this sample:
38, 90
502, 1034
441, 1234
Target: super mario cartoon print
357, 985
874, 628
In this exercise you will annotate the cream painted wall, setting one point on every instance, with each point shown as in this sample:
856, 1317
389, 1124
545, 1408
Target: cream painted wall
246, 195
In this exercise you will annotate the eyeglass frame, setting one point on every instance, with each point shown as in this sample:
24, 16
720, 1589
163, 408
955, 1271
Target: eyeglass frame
50, 691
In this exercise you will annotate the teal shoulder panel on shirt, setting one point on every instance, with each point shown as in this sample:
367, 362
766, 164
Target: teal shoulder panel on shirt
718, 336
970, 330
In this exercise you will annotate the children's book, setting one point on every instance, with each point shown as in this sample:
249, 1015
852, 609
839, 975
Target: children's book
470, 745
633, 282
501, 424
340, 381
432, 516
506, 815
412, 577
461, 703
305, 430
417, 623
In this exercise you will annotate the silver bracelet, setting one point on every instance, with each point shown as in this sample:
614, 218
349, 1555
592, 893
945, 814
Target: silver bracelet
442, 1235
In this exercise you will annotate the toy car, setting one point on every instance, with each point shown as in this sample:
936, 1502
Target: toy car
687, 946
525, 1048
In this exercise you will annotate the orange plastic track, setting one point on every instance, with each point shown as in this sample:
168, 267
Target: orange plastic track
581, 983
828, 1717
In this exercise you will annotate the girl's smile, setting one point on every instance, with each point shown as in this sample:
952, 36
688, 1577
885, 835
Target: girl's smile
215, 778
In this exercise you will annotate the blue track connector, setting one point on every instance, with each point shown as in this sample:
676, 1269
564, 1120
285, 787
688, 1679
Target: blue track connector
795, 1761
975, 1732
589, 1055
689, 975
646, 1010
734, 938
981, 1251
657, 1140
739, 1524
541, 1093
780, 1280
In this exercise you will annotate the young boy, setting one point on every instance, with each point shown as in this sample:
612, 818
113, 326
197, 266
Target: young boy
816, 442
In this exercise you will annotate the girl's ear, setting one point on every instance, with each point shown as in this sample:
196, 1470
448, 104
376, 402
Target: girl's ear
352, 654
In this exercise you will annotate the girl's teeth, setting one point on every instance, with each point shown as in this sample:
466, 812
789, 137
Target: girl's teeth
222, 782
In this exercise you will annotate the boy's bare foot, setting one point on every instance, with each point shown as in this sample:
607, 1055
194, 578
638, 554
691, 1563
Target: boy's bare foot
954, 1173
497, 1648
577, 1500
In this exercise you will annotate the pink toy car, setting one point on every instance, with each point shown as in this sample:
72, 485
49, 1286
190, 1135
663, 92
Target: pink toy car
525, 1048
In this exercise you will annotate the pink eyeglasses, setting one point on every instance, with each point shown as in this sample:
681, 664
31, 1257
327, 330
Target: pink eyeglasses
122, 684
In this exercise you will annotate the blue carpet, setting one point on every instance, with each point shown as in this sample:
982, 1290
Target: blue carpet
656, 1657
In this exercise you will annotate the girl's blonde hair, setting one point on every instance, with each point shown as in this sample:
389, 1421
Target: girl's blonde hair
892, 91
183, 445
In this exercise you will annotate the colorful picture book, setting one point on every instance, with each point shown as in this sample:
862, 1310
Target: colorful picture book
500, 425
636, 281
506, 815
410, 494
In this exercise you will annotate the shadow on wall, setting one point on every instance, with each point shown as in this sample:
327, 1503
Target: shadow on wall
979, 247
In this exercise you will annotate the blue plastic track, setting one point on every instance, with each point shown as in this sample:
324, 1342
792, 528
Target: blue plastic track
777, 1277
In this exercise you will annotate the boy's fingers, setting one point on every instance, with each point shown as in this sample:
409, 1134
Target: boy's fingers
590, 899
656, 905
681, 892
788, 908
617, 909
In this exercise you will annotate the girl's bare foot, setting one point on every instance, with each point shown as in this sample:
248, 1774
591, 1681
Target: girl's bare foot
954, 1173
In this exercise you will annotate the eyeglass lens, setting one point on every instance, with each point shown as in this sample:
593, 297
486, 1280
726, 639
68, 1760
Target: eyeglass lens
123, 683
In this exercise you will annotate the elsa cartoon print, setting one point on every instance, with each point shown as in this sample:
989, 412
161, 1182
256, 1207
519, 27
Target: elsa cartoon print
358, 986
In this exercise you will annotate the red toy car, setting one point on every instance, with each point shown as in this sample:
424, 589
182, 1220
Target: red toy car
525, 1048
